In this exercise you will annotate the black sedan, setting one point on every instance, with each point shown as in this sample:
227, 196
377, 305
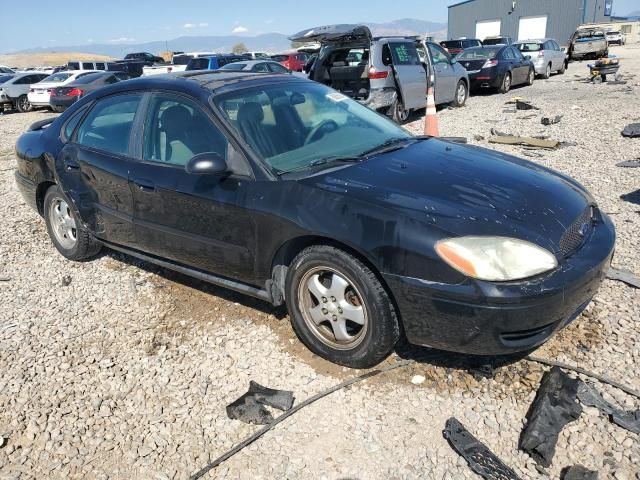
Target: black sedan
62, 97
500, 67
286, 190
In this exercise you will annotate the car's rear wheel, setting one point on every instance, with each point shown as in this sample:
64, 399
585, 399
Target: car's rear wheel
505, 86
23, 105
68, 235
339, 308
462, 93
531, 77
57, 109
547, 72
565, 64
399, 114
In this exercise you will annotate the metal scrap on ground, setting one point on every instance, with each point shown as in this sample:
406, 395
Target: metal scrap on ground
546, 121
589, 396
522, 105
629, 163
623, 276
250, 407
480, 459
529, 141
578, 472
554, 406
632, 130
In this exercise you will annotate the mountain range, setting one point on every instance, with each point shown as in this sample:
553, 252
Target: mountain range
269, 42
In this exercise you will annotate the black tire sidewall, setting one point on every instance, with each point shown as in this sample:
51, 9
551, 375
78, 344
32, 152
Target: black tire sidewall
382, 330
503, 87
466, 95
18, 102
85, 246
396, 108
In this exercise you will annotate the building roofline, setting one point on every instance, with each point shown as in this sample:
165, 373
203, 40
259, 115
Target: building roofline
460, 3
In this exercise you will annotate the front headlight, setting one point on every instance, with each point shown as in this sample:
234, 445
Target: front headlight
495, 259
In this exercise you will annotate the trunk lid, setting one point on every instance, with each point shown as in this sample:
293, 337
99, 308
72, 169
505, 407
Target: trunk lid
340, 33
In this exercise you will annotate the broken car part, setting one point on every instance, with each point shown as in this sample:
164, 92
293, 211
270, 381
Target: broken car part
554, 406
633, 197
532, 142
480, 459
578, 472
629, 163
546, 121
589, 396
252, 438
249, 408
522, 105
632, 130
623, 276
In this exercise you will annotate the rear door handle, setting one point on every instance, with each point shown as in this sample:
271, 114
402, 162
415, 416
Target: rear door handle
144, 186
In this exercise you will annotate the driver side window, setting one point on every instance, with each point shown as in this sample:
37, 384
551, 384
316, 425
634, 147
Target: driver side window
176, 130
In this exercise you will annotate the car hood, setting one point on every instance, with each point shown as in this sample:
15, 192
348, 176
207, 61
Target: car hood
333, 34
465, 190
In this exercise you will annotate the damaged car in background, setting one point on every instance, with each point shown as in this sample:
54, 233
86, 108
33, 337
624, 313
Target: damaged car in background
289, 191
387, 74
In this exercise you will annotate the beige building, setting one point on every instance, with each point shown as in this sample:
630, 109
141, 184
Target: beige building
630, 29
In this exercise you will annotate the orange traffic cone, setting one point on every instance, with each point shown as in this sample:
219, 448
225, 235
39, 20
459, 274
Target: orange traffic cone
430, 117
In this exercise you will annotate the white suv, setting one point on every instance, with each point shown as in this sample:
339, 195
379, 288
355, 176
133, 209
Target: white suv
14, 90
40, 93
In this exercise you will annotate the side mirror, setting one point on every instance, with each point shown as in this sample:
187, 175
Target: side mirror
564, 49
208, 163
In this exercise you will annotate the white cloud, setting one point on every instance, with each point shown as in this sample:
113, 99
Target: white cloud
189, 25
202, 25
122, 40
240, 29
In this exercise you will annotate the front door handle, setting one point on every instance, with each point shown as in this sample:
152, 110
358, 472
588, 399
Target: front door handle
144, 186
71, 165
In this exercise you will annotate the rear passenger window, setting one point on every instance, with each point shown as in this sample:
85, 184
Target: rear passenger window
108, 125
177, 130
87, 66
404, 53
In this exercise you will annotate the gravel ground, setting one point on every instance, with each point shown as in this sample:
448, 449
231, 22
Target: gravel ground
116, 369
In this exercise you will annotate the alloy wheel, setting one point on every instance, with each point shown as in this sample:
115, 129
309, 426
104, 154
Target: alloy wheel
333, 308
63, 224
461, 94
23, 103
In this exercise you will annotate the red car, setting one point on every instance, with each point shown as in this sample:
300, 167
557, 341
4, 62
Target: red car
294, 61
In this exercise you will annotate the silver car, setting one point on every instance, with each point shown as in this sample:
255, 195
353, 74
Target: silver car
387, 74
546, 55
263, 66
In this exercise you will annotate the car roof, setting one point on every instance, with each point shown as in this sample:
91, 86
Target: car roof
534, 40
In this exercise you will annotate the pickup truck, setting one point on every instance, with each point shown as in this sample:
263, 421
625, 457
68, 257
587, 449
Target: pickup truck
144, 56
588, 43
178, 64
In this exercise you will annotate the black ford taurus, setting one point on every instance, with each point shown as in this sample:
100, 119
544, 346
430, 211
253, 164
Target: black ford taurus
286, 190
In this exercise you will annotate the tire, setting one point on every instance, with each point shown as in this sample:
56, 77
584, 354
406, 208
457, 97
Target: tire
340, 280
23, 105
461, 95
532, 77
398, 112
505, 86
563, 70
547, 72
65, 230
58, 109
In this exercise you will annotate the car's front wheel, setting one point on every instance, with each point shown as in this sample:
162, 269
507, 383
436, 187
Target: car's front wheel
339, 308
547, 72
23, 105
462, 93
532, 77
68, 235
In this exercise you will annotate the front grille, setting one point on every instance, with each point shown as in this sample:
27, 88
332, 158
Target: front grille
578, 232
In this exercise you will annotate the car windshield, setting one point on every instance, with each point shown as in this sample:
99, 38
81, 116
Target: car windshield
529, 47
297, 126
494, 41
5, 78
452, 44
57, 77
280, 58
613, 33
478, 53
234, 66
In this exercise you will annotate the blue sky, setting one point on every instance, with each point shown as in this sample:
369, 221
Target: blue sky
43, 23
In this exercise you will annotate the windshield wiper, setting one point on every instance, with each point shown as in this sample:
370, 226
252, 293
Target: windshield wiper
388, 146
325, 161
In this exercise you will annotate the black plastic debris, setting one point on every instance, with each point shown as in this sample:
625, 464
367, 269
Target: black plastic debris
480, 459
589, 396
632, 130
633, 197
546, 121
250, 407
624, 276
522, 105
578, 472
483, 371
554, 406
629, 163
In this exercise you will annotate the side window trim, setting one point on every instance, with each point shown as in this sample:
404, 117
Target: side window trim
82, 112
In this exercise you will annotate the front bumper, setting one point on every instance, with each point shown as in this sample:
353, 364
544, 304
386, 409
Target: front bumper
489, 318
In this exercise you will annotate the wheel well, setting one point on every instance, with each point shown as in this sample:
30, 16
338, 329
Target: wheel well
41, 191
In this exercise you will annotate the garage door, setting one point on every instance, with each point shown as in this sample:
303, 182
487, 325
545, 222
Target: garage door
487, 28
532, 27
